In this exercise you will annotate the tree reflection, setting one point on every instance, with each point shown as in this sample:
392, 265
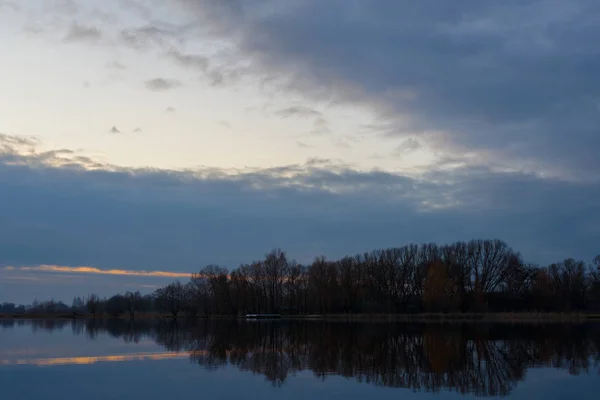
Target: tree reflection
479, 359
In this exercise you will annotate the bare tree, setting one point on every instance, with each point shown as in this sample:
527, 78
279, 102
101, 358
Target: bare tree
294, 286
134, 303
323, 277
171, 298
78, 304
491, 263
241, 291
210, 290
570, 283
350, 271
275, 268
92, 303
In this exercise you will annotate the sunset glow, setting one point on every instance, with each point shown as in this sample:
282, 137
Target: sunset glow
98, 271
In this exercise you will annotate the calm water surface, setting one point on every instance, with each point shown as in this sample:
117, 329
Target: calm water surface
70, 360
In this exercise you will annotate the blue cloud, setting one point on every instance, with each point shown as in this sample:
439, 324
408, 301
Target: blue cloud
64, 213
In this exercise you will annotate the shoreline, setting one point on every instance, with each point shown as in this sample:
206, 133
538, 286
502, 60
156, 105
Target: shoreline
421, 317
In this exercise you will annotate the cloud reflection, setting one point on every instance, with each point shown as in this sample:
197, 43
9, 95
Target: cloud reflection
47, 362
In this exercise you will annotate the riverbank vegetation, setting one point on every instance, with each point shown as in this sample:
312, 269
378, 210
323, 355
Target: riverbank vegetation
479, 277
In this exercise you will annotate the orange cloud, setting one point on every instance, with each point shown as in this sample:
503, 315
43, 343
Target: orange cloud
98, 271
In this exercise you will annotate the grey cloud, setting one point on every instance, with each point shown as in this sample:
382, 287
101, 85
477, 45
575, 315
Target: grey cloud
161, 84
407, 146
217, 75
61, 213
346, 142
67, 7
9, 5
116, 65
320, 124
82, 33
114, 129
170, 110
147, 37
298, 111
33, 29
136, 7
189, 60
303, 145
514, 78
8, 141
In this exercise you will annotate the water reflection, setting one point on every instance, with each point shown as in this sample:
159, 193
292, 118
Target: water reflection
47, 362
481, 359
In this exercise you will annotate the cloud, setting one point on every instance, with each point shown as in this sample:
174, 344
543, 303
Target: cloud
200, 62
116, 65
82, 33
320, 124
512, 81
9, 142
136, 8
115, 130
217, 75
147, 37
98, 271
407, 146
303, 145
161, 84
67, 7
298, 111
137, 130
170, 110
5, 4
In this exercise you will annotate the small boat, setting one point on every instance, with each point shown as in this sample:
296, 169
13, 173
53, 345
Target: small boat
263, 316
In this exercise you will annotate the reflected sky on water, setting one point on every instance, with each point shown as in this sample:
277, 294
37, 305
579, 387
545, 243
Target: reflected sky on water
229, 359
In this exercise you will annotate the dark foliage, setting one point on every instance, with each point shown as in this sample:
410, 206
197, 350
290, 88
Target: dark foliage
475, 276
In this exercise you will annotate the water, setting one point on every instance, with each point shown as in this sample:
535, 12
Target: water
226, 359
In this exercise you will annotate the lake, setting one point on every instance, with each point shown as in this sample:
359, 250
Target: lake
287, 359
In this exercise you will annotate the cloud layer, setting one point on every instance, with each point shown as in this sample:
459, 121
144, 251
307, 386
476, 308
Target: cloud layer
513, 80
59, 208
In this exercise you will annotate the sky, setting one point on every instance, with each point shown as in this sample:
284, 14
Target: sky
143, 140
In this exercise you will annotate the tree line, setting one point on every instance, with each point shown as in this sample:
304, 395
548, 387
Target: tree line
474, 276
